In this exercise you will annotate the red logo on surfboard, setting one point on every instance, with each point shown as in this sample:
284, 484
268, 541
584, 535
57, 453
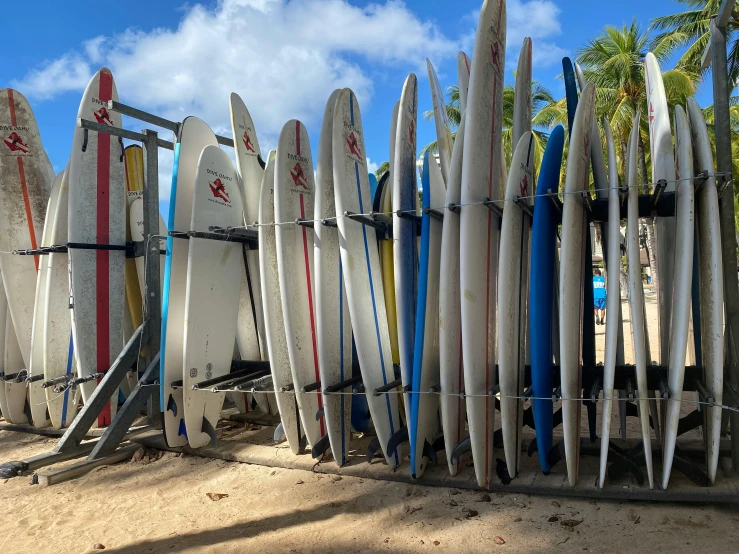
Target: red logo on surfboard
495, 51
523, 186
247, 142
298, 176
651, 113
353, 144
102, 116
16, 144
219, 190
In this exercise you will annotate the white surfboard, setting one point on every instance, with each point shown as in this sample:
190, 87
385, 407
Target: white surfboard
405, 241
15, 392
512, 291
481, 171
333, 324
361, 268
636, 297
4, 320
274, 323
572, 256
36, 393
613, 306
683, 264
58, 345
193, 137
136, 210
24, 193
97, 208
450, 318
663, 167
522, 98
294, 191
250, 328
441, 119
711, 286
212, 284
463, 73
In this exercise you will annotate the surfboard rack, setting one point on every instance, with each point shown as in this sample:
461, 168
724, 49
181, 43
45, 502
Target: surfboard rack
304, 222
382, 227
524, 205
494, 206
436, 214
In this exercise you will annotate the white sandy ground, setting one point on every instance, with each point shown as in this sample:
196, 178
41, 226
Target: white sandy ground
163, 506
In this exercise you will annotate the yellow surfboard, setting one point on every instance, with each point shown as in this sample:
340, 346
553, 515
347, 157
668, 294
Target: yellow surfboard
134, 164
388, 278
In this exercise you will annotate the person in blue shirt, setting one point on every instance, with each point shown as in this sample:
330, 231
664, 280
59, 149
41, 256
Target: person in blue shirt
599, 295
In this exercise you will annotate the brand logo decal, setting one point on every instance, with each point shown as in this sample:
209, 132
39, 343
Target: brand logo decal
16, 144
298, 176
219, 190
353, 144
524, 186
247, 142
102, 116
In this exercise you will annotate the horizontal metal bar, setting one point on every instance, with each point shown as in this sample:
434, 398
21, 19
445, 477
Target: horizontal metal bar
388, 387
225, 141
343, 384
311, 387
119, 132
226, 385
436, 214
143, 116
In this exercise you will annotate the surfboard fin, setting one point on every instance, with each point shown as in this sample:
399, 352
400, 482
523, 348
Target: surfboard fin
303, 442
279, 434
400, 436
502, 471
210, 431
372, 449
461, 449
182, 430
320, 447
429, 451
528, 417
172, 405
319, 414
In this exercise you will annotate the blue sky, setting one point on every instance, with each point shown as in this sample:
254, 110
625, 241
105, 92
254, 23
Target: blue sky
283, 58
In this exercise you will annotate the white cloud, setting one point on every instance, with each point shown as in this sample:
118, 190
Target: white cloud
371, 166
283, 57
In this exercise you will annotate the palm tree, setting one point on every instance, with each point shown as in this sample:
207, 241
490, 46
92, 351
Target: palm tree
691, 29
614, 62
380, 171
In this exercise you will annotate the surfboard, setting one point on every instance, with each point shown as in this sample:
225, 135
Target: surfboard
136, 210
4, 320
212, 283
405, 244
463, 73
441, 119
387, 256
682, 284
481, 170
250, 329
274, 324
15, 392
134, 167
36, 393
636, 296
512, 289
25, 184
450, 318
193, 137
424, 424
614, 342
58, 345
294, 194
360, 264
663, 167
571, 277
333, 324
711, 287
522, 95
97, 207
542, 295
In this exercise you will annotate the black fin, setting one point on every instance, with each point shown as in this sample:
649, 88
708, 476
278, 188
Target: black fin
320, 447
461, 449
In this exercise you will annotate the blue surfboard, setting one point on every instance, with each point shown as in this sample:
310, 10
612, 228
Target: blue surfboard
541, 293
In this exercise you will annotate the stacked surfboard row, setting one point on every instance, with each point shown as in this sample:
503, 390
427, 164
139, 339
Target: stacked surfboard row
437, 308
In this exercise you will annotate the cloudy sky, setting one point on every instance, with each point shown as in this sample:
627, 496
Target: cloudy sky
283, 57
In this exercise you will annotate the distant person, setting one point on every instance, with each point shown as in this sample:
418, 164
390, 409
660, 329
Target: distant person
599, 294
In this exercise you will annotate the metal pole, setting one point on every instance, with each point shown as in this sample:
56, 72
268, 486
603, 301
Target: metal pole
726, 213
153, 301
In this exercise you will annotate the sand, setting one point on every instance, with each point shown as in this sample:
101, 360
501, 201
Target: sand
164, 506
